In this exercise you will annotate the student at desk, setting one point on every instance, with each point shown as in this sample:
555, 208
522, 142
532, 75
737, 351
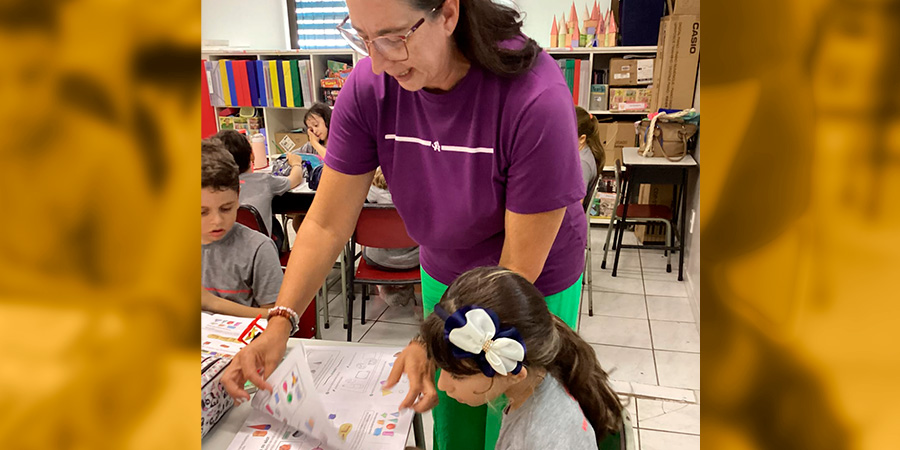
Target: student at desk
258, 188
474, 129
240, 271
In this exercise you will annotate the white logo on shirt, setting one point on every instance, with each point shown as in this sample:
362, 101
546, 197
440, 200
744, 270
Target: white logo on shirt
436, 146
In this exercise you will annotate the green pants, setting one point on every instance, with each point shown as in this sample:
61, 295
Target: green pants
462, 427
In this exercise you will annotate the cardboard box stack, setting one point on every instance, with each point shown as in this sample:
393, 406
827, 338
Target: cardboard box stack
677, 56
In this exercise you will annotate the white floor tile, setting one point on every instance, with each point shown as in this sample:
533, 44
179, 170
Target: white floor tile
374, 307
598, 237
678, 369
403, 314
664, 393
628, 260
336, 331
390, 334
675, 336
662, 440
662, 415
627, 364
655, 259
676, 309
624, 282
653, 391
616, 304
673, 288
615, 331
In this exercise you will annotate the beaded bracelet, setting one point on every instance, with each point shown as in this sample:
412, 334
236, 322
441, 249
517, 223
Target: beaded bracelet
288, 314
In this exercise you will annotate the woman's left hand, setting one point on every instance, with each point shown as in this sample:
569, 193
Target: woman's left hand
413, 361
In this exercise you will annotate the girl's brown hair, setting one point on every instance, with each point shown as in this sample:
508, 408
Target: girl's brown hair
550, 344
590, 128
485, 24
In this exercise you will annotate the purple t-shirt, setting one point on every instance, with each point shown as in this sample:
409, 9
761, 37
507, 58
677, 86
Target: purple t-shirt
456, 161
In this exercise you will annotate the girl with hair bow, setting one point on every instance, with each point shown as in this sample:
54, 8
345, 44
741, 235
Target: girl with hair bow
492, 336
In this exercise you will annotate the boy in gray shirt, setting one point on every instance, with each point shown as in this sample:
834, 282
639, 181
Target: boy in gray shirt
241, 273
258, 188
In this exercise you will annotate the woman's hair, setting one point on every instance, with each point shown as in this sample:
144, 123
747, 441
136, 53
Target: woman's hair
550, 344
590, 127
218, 171
322, 110
378, 180
480, 34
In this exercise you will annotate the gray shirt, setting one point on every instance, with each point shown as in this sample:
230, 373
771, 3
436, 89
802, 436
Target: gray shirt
588, 166
258, 188
549, 419
242, 267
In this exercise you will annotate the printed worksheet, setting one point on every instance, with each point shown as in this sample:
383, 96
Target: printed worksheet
329, 398
219, 333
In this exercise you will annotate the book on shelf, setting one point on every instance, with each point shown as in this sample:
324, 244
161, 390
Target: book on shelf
270, 83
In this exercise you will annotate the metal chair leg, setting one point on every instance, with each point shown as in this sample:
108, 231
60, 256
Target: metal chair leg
609, 231
345, 298
325, 296
668, 244
365, 297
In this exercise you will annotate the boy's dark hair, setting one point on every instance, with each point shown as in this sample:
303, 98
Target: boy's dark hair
550, 343
239, 147
218, 171
322, 110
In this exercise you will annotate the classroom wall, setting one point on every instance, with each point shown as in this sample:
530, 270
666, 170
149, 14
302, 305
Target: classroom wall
263, 26
539, 15
256, 25
692, 238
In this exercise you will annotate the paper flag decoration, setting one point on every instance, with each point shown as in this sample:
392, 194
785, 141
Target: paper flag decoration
554, 34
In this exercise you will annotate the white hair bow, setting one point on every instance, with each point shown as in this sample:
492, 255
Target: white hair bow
474, 331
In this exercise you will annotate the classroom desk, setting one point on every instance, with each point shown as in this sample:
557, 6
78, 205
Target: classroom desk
223, 433
656, 171
297, 200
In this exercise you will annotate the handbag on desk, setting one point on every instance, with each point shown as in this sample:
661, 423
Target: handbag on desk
666, 135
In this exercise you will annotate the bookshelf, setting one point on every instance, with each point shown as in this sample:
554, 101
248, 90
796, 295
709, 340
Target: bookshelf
283, 119
598, 58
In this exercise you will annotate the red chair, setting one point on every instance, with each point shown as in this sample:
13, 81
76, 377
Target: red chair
378, 226
249, 216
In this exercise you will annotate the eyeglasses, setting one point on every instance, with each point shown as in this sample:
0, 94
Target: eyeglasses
392, 48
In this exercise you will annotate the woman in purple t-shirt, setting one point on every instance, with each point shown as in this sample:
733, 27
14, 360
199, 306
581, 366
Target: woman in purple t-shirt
474, 128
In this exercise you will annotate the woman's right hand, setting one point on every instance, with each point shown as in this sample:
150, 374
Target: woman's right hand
413, 361
257, 360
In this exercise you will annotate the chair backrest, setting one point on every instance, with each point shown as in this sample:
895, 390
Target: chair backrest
380, 226
592, 189
250, 217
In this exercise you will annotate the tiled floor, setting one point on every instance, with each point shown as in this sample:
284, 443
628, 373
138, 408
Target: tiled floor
642, 329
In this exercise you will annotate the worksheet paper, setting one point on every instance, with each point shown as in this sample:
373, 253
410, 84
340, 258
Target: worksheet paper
219, 333
329, 398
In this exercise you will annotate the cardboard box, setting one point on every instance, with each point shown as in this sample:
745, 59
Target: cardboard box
687, 7
622, 72
654, 194
644, 72
285, 142
599, 97
615, 136
677, 59
629, 99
